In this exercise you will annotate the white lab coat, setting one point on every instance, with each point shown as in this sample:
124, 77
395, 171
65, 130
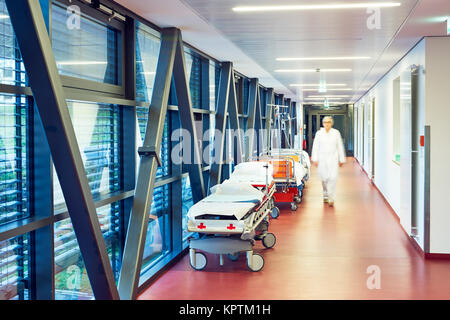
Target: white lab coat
328, 150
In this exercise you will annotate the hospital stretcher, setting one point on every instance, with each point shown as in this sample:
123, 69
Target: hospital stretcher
300, 155
232, 218
260, 175
289, 176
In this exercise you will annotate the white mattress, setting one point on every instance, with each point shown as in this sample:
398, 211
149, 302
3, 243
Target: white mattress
252, 172
237, 209
300, 173
228, 199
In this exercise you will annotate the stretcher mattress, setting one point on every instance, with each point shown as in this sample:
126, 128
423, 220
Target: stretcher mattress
300, 173
253, 172
228, 199
227, 209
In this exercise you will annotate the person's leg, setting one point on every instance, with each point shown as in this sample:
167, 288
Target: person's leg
331, 187
325, 191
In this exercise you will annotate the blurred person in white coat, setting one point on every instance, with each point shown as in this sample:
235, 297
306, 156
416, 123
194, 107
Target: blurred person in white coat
328, 154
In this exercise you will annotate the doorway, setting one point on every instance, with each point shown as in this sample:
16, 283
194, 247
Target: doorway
340, 120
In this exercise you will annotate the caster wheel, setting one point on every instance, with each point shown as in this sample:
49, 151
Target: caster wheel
293, 206
275, 212
233, 256
200, 261
258, 263
269, 240
298, 200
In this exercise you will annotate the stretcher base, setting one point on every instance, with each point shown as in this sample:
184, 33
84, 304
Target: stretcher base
229, 246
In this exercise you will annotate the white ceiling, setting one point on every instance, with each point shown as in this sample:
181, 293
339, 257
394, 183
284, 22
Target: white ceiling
253, 41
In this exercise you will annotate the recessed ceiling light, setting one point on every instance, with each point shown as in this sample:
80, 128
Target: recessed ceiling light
316, 6
317, 85
322, 58
313, 70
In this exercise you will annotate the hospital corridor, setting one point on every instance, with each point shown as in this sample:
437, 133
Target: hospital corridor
321, 253
224, 159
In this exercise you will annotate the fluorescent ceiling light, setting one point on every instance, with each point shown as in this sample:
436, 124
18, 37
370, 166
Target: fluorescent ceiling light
330, 96
313, 70
148, 72
322, 58
81, 63
317, 98
329, 6
317, 85
329, 89
4, 16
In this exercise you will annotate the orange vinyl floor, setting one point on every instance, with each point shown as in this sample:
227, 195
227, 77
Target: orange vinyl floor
321, 253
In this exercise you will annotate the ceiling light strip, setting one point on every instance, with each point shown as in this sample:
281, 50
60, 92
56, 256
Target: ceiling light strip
317, 7
312, 70
321, 58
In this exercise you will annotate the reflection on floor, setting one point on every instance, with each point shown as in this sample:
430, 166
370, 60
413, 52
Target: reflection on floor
321, 253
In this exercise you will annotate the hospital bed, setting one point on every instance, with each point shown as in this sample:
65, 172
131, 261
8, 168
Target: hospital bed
234, 216
260, 175
289, 176
299, 155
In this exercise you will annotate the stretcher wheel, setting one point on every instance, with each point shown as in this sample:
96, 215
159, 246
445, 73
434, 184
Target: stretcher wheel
258, 263
293, 206
275, 212
269, 240
233, 256
200, 261
298, 199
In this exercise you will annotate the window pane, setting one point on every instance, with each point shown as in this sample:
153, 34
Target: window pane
14, 269
13, 158
193, 70
147, 52
97, 128
246, 95
187, 202
142, 116
157, 241
12, 70
71, 280
90, 52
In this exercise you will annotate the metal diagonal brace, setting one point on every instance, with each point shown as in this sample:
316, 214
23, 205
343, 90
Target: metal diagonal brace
251, 118
234, 120
221, 123
31, 32
170, 62
269, 115
187, 121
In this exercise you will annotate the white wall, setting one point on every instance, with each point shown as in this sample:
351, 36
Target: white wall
387, 172
432, 54
438, 117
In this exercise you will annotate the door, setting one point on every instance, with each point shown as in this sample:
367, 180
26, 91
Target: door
363, 129
411, 160
416, 170
372, 139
